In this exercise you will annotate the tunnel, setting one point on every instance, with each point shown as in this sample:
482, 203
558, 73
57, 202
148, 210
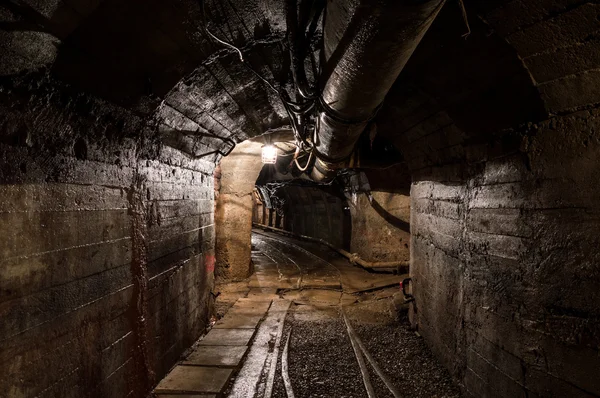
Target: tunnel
299, 198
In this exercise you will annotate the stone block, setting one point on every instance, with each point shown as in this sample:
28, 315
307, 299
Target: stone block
228, 337
572, 92
194, 379
565, 61
567, 28
237, 320
223, 356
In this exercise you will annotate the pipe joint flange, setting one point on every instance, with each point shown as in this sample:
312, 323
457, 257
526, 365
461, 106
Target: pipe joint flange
335, 117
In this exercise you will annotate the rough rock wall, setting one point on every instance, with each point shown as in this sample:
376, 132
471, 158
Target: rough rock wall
505, 262
106, 250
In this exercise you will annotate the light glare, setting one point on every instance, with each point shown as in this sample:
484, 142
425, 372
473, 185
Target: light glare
269, 154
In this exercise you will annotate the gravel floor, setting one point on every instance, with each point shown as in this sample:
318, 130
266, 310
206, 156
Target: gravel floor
406, 360
321, 360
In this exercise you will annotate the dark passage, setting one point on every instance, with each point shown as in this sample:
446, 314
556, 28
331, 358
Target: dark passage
269, 198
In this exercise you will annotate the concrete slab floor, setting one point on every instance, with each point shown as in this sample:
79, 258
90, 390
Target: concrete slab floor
322, 283
237, 320
314, 296
261, 353
259, 293
194, 379
272, 282
204, 370
248, 336
185, 396
220, 356
251, 305
229, 337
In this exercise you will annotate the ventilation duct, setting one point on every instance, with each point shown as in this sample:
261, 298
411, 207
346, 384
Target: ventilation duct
366, 45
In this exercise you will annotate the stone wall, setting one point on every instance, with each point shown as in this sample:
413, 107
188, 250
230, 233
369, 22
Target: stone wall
380, 233
502, 144
107, 248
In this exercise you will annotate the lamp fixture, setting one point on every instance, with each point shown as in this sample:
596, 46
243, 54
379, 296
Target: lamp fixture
269, 154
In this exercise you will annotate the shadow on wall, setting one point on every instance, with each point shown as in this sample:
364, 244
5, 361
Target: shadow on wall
391, 219
379, 204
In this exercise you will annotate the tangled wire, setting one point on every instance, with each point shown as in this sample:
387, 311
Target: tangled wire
302, 27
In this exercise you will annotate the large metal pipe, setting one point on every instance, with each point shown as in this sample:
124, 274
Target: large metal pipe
366, 45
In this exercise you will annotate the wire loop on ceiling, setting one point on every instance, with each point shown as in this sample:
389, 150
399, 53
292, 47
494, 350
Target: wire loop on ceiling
303, 114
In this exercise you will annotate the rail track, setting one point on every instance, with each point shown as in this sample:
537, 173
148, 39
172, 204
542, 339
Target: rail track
273, 247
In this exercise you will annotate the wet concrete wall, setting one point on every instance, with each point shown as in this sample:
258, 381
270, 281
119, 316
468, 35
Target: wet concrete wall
106, 254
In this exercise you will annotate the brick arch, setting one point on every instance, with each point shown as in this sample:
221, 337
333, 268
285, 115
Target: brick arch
558, 44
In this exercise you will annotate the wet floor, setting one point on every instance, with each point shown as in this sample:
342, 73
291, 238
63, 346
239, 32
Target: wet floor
343, 333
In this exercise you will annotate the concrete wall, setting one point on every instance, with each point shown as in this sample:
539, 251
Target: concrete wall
238, 173
379, 203
505, 265
373, 237
318, 213
106, 254
503, 146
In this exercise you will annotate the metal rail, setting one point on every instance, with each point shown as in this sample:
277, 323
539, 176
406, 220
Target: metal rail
359, 358
287, 382
299, 281
356, 340
398, 266
273, 368
360, 350
302, 250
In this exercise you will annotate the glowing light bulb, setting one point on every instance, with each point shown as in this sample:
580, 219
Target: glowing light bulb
269, 154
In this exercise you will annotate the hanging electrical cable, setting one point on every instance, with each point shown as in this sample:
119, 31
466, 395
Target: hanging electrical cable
302, 168
302, 115
299, 43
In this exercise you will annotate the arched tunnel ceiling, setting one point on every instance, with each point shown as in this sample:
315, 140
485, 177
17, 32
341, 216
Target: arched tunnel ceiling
153, 58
